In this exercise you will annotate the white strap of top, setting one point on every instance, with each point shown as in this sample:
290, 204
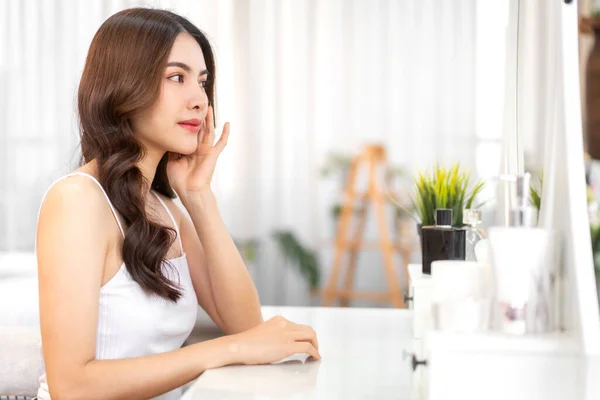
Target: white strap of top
172, 219
105, 195
111, 206
97, 183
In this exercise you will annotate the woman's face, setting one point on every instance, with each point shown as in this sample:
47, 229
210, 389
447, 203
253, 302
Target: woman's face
173, 122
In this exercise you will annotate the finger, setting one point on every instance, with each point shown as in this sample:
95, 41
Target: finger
306, 334
210, 126
205, 130
306, 347
201, 133
224, 138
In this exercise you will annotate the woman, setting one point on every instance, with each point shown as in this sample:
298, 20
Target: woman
121, 268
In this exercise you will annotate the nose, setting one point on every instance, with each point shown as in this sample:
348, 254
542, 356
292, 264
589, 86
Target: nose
198, 99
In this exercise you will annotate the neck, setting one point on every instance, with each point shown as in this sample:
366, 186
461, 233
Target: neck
148, 166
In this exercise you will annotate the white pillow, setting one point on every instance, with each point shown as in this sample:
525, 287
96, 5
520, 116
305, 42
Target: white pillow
19, 302
21, 361
15, 264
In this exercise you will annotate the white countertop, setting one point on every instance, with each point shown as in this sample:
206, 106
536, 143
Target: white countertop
361, 350
362, 358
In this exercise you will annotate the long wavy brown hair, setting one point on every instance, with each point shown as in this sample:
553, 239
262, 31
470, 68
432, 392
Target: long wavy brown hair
123, 76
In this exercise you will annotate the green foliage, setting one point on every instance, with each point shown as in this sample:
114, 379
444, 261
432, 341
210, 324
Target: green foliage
304, 259
595, 233
535, 194
248, 249
444, 188
335, 162
336, 210
534, 198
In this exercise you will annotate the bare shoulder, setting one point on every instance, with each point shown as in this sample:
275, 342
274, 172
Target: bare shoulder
74, 200
75, 191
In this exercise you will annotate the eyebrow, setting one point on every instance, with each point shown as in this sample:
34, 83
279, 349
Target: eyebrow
185, 67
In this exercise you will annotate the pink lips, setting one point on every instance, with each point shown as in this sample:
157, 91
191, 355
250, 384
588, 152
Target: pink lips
191, 125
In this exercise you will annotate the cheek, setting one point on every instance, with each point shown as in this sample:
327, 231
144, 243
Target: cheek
142, 125
163, 112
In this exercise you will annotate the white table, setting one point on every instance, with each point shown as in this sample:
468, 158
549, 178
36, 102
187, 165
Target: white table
362, 352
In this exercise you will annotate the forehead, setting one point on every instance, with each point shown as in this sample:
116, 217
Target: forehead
187, 50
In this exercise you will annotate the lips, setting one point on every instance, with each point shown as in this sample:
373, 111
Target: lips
191, 125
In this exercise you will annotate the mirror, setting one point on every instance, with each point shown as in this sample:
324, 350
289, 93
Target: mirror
551, 126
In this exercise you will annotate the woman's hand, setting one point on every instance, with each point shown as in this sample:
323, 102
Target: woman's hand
193, 173
273, 340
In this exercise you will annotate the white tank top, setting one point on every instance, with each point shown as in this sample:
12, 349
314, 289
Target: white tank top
133, 324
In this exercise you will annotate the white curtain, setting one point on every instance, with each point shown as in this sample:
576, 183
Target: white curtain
297, 79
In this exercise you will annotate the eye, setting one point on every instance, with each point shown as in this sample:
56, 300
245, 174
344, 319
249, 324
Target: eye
180, 76
203, 84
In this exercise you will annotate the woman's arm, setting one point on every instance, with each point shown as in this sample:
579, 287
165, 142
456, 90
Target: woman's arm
72, 241
74, 225
221, 280
233, 301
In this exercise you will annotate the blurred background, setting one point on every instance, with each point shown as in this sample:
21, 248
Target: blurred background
306, 85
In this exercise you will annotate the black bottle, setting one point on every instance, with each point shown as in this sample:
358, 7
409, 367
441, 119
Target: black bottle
441, 241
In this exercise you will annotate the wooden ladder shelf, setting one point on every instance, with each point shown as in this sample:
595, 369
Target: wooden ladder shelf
373, 156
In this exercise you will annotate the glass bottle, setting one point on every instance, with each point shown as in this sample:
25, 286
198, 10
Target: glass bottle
441, 241
472, 218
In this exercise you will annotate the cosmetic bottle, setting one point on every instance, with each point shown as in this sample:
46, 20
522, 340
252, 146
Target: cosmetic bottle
441, 241
460, 299
521, 257
473, 234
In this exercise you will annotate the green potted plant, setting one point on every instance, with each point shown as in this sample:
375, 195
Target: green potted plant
442, 188
304, 259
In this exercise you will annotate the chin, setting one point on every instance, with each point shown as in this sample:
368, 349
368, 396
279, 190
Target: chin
182, 150
185, 146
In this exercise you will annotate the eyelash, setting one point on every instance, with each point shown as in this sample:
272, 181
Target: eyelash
202, 83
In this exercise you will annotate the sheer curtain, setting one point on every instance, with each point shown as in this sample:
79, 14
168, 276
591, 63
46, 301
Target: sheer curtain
297, 79
43, 45
318, 76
